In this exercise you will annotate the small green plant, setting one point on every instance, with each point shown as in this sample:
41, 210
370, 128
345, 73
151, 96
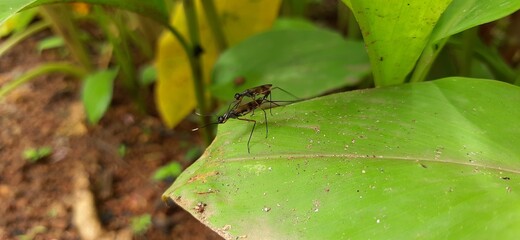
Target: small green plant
147, 75
50, 43
34, 154
31, 234
99, 79
122, 150
171, 170
141, 224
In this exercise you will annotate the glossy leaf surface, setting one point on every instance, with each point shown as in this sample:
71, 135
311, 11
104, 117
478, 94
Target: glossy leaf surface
460, 16
427, 160
395, 33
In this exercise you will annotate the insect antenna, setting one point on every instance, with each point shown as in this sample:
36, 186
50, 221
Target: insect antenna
197, 128
204, 115
283, 90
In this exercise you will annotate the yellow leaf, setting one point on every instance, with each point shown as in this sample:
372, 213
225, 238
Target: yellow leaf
175, 96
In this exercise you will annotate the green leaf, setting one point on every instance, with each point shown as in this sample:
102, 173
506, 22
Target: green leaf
147, 75
17, 23
463, 15
304, 61
460, 16
154, 9
172, 170
122, 150
34, 154
141, 224
436, 160
9, 7
395, 34
50, 42
97, 93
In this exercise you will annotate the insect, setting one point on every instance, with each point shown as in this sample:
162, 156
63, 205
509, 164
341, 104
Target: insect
264, 91
237, 110
255, 91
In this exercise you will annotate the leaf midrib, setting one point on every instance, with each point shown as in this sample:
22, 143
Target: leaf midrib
365, 157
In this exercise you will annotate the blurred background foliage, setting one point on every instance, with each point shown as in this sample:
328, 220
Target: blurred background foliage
311, 47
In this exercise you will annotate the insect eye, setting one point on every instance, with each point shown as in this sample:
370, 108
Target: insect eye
220, 119
237, 96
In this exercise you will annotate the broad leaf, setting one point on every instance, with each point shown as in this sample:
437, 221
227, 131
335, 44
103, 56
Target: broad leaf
175, 95
9, 7
303, 60
395, 33
436, 160
97, 93
460, 16
154, 9
17, 22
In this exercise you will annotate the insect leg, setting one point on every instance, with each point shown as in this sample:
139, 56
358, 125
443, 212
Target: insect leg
236, 104
266, 128
270, 104
250, 134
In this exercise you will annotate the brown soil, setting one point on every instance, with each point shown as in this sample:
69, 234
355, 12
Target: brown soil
40, 198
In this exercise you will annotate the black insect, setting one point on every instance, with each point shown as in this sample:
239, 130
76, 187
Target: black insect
259, 95
239, 111
262, 91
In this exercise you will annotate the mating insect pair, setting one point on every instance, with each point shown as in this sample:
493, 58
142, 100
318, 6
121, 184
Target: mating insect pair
259, 96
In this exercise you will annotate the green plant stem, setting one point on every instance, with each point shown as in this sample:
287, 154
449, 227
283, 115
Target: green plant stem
62, 23
196, 68
491, 57
64, 67
191, 20
466, 56
184, 44
214, 24
425, 63
15, 39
